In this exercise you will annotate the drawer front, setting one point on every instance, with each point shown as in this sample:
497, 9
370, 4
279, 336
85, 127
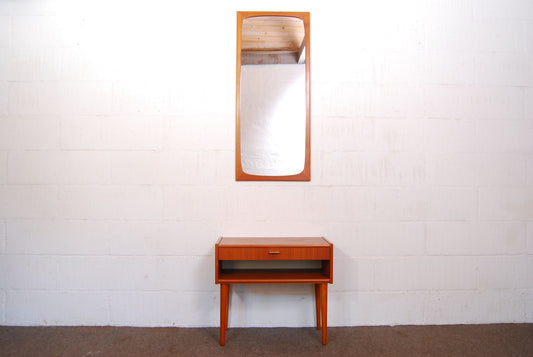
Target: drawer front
273, 253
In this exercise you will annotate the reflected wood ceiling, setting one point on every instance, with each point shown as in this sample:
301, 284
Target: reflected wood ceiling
272, 39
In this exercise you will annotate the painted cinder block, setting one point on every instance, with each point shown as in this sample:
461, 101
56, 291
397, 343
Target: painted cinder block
455, 35
3, 167
356, 67
352, 100
452, 169
503, 272
528, 95
194, 203
528, 31
289, 305
183, 167
57, 237
447, 102
342, 134
4, 69
201, 133
35, 167
398, 67
374, 169
341, 204
5, 31
271, 203
528, 297
135, 167
450, 10
448, 68
42, 308
449, 136
60, 97
164, 308
475, 238
398, 135
58, 167
529, 228
147, 238
99, 273
398, 33
505, 203
151, 273
501, 9
396, 100
495, 35
437, 204
278, 228
501, 170
29, 133
474, 102
529, 175
140, 97
4, 95
29, 201
505, 69
31, 29
77, 63
110, 202
473, 307
2, 236
495, 102
110, 132
3, 307
505, 136
377, 239
353, 275
374, 308
426, 273
27, 272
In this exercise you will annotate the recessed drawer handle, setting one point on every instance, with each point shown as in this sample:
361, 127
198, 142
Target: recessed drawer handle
269, 252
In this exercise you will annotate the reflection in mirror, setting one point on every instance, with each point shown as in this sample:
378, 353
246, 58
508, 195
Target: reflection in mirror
273, 96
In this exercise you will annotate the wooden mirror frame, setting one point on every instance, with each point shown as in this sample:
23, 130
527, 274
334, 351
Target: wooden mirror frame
305, 175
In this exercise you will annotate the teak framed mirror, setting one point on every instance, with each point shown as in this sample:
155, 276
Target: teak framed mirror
273, 114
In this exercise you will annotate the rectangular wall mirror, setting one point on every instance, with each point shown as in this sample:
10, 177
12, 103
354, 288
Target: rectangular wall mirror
273, 117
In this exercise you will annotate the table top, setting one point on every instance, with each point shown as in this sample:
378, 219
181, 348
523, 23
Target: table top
277, 242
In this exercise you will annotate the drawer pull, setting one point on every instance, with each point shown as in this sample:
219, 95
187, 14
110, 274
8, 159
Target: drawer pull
269, 252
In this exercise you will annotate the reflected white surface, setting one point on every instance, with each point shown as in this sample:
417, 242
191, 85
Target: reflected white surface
273, 119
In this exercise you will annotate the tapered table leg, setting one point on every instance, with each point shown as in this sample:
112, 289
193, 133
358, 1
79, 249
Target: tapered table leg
324, 306
227, 308
224, 289
317, 303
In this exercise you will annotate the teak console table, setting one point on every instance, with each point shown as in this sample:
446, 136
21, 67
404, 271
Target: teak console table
274, 249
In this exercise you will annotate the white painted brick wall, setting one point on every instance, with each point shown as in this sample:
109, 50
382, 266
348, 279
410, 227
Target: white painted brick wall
45, 307
5, 30
117, 164
2, 307
475, 238
377, 239
530, 238
3, 167
474, 307
29, 133
2, 237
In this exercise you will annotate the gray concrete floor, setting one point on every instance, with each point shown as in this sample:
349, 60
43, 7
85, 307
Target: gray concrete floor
448, 340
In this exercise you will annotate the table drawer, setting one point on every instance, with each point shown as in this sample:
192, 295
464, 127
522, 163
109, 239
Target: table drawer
274, 253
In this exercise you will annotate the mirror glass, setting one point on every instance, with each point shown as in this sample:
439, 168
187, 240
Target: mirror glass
272, 96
